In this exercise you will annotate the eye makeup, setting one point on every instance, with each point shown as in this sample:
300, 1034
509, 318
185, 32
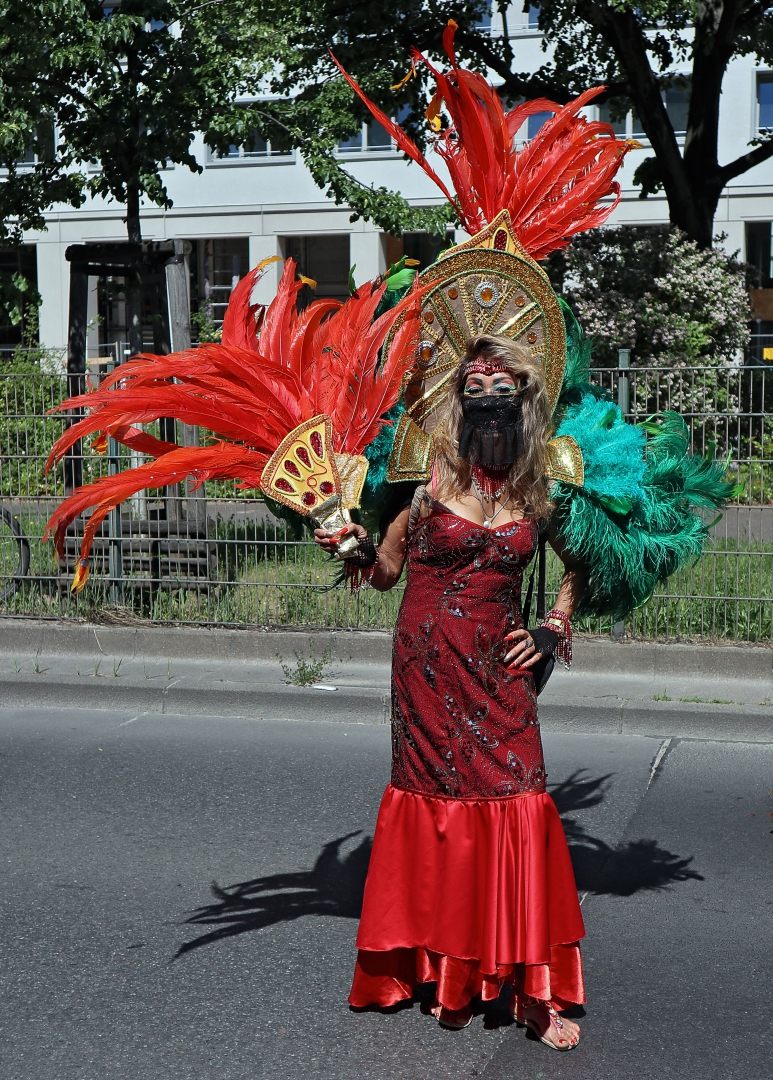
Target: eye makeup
505, 388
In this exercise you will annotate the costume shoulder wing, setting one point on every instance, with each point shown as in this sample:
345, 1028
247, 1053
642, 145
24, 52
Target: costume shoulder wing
635, 513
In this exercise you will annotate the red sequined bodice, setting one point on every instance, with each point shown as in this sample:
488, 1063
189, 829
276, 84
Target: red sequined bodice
462, 724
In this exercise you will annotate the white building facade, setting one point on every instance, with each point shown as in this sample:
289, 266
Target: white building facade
256, 203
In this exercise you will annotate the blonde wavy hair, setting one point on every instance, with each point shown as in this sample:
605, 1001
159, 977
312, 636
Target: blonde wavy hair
526, 483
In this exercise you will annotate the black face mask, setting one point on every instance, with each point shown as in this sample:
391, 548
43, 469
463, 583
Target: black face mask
492, 432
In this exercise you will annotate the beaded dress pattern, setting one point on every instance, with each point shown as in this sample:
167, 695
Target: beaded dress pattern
463, 725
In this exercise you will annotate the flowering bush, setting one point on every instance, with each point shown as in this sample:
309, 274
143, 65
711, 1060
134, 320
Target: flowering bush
653, 291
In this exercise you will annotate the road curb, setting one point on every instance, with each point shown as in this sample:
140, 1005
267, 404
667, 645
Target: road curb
347, 705
369, 705
25, 637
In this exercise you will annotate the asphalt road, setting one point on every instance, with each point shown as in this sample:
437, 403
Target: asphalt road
180, 896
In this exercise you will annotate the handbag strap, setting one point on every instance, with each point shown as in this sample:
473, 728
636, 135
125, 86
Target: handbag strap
419, 496
539, 565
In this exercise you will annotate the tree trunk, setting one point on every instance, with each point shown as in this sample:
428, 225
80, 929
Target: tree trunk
694, 215
133, 279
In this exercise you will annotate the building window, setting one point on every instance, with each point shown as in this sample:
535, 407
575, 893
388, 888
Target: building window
531, 11
758, 251
483, 22
372, 138
764, 102
256, 147
41, 144
421, 246
324, 259
217, 267
637, 130
536, 121
18, 267
618, 126
677, 100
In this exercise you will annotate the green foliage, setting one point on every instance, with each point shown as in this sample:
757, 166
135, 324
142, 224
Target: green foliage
20, 301
150, 76
36, 171
306, 672
652, 290
204, 327
128, 87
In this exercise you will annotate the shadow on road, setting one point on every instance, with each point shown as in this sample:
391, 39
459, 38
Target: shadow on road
598, 868
335, 884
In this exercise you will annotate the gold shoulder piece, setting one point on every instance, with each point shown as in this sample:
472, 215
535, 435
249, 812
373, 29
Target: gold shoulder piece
565, 461
413, 453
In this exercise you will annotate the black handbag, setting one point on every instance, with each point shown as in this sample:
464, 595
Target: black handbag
544, 669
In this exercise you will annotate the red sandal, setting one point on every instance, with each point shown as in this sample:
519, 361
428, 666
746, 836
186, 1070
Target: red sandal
453, 1019
521, 1004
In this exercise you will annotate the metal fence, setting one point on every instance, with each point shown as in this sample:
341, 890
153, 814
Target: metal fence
222, 558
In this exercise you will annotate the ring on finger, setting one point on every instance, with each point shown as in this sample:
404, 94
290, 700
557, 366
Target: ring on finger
528, 643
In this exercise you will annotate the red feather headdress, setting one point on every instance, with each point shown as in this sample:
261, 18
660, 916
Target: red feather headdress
552, 188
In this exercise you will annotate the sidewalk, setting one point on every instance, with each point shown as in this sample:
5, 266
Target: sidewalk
627, 688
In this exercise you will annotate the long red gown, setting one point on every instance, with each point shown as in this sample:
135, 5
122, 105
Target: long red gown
470, 883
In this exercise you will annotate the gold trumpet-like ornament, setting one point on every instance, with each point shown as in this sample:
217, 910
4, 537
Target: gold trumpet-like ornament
306, 474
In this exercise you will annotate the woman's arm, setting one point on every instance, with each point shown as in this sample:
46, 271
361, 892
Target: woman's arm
391, 550
569, 595
574, 580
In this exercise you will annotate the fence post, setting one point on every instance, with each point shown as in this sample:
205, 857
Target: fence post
76, 368
178, 299
624, 404
114, 526
623, 384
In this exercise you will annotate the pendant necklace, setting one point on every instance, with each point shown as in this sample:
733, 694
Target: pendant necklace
488, 521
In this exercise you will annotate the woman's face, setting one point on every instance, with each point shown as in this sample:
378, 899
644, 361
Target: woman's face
500, 384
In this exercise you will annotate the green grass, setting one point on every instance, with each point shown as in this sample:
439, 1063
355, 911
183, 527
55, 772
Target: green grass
268, 577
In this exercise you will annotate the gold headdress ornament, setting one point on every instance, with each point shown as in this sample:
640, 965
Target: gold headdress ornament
518, 206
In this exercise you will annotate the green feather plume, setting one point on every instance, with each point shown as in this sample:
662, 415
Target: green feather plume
629, 554
637, 519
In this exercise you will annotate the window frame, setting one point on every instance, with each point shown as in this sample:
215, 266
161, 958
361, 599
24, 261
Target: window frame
760, 78
249, 158
364, 152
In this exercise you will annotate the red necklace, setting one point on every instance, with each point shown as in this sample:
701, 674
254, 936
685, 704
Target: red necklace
490, 483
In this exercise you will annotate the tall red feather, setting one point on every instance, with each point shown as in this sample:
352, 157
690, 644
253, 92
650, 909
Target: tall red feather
223, 460
560, 183
240, 324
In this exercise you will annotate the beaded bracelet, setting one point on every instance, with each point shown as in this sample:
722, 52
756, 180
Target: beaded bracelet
558, 621
359, 570
366, 554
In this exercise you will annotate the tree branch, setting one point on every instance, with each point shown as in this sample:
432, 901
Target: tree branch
745, 162
199, 7
515, 84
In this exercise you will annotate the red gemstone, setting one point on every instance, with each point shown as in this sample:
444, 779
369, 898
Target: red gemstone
293, 469
316, 444
326, 487
303, 455
500, 240
308, 498
284, 485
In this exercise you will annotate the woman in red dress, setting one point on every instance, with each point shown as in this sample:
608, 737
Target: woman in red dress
470, 883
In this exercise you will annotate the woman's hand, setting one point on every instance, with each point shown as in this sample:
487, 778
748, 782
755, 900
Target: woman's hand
329, 541
523, 654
